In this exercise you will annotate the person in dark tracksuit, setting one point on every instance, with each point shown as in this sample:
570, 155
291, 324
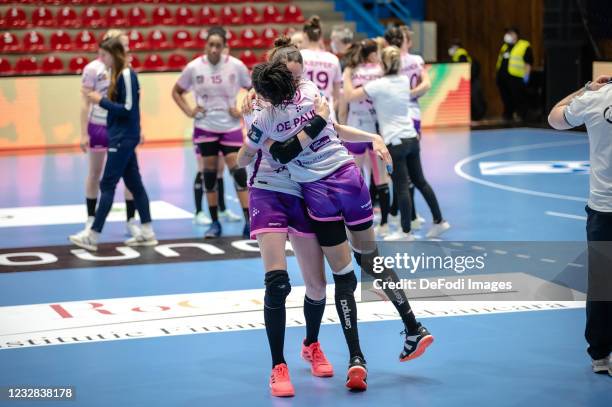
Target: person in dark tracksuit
123, 126
592, 106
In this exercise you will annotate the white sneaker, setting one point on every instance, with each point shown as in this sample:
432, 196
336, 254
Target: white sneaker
417, 224
89, 222
133, 228
87, 239
602, 365
200, 218
437, 229
142, 239
229, 216
400, 236
382, 230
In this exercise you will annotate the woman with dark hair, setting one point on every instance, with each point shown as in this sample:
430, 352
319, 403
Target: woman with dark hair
335, 194
392, 96
123, 125
215, 80
364, 63
320, 66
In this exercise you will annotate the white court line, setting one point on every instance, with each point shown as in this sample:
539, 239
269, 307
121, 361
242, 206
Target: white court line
565, 215
459, 169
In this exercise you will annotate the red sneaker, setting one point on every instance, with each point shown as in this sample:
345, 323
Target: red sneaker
280, 382
319, 365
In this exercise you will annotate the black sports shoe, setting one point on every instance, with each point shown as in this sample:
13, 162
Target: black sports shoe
356, 378
416, 343
213, 231
246, 232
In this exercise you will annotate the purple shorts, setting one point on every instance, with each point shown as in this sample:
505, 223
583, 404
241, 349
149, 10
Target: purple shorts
357, 148
98, 138
342, 195
277, 212
232, 138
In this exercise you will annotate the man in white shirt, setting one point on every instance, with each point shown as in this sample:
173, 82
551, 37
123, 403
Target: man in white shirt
592, 106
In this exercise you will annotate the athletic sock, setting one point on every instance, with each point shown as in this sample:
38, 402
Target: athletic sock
245, 212
221, 194
214, 215
130, 209
275, 316
313, 313
347, 312
383, 198
91, 206
198, 192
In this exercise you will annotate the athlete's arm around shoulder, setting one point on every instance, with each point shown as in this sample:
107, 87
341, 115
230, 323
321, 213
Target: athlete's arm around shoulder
569, 112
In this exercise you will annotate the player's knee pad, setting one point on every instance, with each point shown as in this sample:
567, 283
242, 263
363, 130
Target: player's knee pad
278, 288
369, 264
345, 284
197, 182
240, 178
210, 180
329, 233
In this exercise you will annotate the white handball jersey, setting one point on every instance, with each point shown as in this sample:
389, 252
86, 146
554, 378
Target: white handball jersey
323, 68
412, 67
264, 172
215, 88
322, 157
362, 114
96, 76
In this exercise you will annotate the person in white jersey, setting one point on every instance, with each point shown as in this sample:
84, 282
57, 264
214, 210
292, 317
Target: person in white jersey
391, 96
215, 80
364, 62
320, 66
94, 137
592, 106
413, 67
335, 194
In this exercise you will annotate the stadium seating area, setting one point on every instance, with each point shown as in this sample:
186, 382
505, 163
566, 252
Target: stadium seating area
61, 36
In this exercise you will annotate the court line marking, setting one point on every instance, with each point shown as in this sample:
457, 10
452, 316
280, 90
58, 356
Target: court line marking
566, 215
460, 164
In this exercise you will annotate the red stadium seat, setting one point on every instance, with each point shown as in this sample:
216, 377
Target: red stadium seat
162, 16
26, 65
153, 62
249, 58
207, 16
77, 64
233, 41
5, 67
184, 16
115, 17
33, 42
182, 39
271, 15
42, 17
8, 42
60, 41
90, 17
137, 41
134, 62
15, 17
157, 40
67, 17
251, 16
176, 62
52, 64
229, 16
85, 41
200, 38
268, 36
137, 17
293, 14
249, 38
